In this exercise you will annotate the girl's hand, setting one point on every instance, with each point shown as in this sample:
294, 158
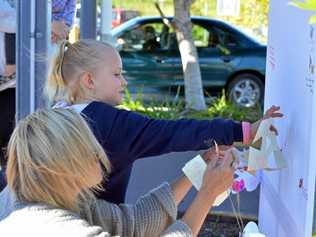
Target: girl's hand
272, 112
219, 175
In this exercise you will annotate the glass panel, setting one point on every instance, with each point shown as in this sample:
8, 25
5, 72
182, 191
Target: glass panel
226, 38
200, 36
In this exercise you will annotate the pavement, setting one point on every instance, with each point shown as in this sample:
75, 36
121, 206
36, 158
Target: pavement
150, 172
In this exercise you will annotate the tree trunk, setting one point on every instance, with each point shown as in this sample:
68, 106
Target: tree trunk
194, 98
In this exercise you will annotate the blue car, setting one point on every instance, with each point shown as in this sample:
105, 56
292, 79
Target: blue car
229, 59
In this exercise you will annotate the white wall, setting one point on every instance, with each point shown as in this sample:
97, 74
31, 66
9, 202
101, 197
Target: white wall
286, 209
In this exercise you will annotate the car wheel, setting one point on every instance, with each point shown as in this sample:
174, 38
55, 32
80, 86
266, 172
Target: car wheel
246, 90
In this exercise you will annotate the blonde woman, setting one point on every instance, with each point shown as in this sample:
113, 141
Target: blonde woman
87, 76
54, 164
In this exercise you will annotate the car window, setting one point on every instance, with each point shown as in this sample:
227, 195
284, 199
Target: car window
200, 36
223, 37
147, 37
212, 37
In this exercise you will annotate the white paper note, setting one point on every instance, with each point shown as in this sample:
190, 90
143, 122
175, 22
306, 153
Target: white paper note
194, 170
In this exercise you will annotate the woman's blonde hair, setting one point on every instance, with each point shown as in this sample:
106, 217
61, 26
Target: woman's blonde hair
68, 65
52, 155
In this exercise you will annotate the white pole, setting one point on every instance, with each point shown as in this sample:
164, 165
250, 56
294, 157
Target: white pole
106, 20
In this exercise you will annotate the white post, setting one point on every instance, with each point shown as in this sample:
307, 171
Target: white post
106, 20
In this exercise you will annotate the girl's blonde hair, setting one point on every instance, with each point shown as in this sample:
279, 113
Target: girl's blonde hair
53, 154
69, 64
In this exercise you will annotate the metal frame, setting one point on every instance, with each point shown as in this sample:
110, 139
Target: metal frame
88, 19
33, 32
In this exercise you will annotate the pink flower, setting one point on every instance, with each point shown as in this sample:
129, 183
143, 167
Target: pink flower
238, 185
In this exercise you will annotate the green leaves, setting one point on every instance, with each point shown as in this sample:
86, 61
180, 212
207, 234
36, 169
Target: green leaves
308, 5
312, 19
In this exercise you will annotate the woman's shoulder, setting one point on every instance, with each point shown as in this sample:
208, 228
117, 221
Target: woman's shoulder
44, 220
40, 213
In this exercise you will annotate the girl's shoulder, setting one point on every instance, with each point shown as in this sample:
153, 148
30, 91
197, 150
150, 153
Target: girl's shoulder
99, 105
100, 109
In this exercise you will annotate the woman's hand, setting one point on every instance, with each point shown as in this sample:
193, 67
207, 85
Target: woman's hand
215, 151
219, 175
272, 112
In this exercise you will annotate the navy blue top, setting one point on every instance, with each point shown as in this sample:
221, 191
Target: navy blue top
127, 136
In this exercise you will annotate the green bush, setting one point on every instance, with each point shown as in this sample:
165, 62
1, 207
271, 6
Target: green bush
172, 110
158, 110
224, 108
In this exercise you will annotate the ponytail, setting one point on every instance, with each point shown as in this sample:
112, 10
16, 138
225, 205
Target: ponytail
55, 88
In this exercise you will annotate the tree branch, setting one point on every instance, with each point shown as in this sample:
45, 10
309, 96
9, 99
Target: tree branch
165, 20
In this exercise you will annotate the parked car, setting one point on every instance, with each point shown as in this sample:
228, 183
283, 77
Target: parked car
229, 59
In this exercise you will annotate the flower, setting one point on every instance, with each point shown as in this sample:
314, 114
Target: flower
238, 185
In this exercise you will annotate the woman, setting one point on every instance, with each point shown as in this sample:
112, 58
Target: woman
54, 165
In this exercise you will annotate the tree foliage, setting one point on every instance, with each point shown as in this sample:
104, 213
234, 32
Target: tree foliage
253, 13
308, 5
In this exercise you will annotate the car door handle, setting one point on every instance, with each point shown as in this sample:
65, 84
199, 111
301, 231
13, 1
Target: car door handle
160, 60
226, 59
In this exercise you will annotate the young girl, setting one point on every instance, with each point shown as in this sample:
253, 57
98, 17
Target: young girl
54, 162
87, 76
